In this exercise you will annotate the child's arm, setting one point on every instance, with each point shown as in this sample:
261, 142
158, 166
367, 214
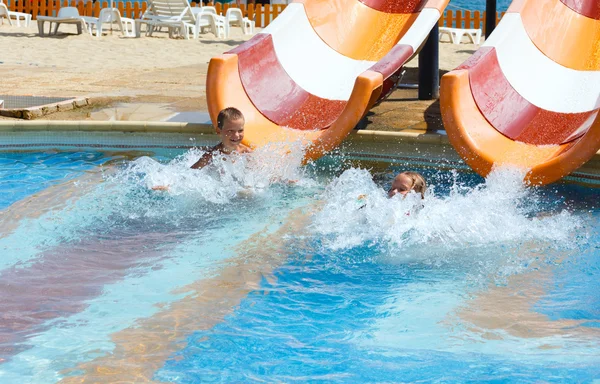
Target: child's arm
204, 161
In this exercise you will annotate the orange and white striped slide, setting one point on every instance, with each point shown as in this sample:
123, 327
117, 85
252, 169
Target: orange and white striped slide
530, 96
315, 71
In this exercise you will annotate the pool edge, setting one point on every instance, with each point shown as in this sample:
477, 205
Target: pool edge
375, 145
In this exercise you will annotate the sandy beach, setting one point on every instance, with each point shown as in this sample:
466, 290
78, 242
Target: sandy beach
144, 78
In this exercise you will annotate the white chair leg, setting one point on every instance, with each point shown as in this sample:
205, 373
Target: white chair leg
248, 27
213, 27
185, 32
455, 38
132, 26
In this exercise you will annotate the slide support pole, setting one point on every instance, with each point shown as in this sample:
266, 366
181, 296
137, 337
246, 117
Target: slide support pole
429, 67
490, 17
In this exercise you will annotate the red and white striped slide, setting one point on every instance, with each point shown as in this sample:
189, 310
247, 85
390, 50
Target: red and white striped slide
530, 96
315, 71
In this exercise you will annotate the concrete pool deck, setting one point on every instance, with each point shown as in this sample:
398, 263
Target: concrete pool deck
127, 79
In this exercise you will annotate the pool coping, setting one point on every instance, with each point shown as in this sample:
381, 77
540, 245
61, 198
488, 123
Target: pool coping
37, 111
105, 126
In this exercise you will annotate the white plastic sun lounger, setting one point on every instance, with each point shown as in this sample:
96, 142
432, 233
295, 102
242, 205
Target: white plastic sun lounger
112, 15
456, 34
17, 16
67, 15
176, 15
235, 18
206, 17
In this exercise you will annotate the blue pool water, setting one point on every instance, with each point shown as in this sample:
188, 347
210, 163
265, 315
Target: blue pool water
320, 323
23, 174
263, 271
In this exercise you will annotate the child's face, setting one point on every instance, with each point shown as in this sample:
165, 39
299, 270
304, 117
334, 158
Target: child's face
232, 133
402, 184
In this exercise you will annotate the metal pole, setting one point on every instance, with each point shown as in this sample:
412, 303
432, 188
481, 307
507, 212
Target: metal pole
429, 67
490, 17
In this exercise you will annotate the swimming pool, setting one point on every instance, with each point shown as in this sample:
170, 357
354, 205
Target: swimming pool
265, 271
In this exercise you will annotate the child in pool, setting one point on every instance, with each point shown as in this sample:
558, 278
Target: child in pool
230, 128
402, 184
408, 181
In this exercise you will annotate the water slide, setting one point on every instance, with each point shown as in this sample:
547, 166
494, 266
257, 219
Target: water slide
315, 71
529, 97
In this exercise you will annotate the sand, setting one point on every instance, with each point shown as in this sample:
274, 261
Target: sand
143, 78
154, 69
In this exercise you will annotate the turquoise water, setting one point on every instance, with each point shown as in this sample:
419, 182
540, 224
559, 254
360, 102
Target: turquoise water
377, 310
323, 322
23, 174
259, 270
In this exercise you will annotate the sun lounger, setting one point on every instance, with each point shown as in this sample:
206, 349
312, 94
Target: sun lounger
456, 34
112, 15
67, 15
206, 17
18, 16
176, 15
235, 18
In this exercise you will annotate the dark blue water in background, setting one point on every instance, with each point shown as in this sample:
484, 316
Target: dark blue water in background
501, 5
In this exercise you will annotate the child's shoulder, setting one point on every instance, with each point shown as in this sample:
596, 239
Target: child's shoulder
244, 149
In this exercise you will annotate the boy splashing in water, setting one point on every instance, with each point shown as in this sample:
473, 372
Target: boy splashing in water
230, 128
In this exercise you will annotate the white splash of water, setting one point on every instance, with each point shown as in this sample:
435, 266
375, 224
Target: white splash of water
501, 211
227, 177
125, 201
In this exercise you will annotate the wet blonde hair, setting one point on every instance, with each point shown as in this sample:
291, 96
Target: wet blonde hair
228, 114
418, 182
